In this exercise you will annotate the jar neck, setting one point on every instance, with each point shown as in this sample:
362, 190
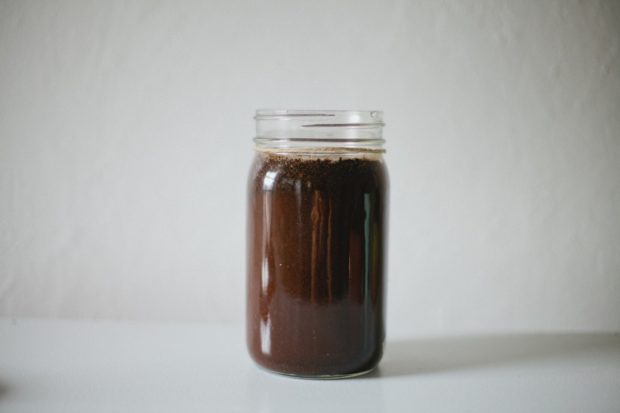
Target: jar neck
321, 130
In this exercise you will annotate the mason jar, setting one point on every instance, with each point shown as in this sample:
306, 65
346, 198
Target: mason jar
316, 242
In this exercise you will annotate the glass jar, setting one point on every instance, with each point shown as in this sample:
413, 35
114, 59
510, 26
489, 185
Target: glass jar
316, 242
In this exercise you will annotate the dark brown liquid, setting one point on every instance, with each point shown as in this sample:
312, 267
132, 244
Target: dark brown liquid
316, 236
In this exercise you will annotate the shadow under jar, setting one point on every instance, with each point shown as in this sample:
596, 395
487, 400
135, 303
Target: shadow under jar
317, 229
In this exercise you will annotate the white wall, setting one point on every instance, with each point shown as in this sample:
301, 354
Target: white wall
125, 139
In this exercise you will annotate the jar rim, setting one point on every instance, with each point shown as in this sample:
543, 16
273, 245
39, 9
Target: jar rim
287, 129
325, 118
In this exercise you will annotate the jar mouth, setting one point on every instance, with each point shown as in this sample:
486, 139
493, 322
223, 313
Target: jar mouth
324, 118
292, 128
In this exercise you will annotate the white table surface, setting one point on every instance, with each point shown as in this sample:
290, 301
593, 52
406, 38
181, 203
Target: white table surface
79, 366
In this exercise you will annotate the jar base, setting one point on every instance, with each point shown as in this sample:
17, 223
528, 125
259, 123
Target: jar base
318, 376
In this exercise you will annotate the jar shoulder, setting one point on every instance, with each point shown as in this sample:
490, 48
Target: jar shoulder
268, 171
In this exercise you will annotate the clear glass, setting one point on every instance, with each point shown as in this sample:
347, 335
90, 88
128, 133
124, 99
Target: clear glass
316, 242
282, 129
